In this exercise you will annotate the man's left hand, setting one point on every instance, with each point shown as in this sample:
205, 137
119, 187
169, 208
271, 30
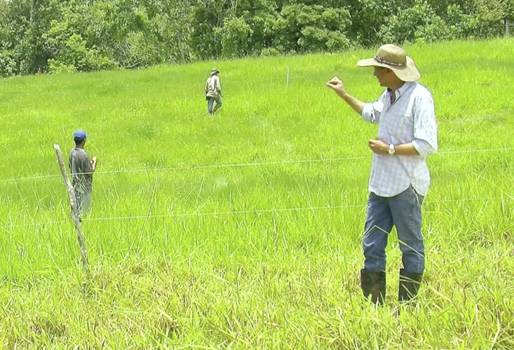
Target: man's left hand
378, 146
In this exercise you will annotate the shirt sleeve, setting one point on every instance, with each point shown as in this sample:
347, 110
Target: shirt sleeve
371, 111
85, 164
218, 84
425, 126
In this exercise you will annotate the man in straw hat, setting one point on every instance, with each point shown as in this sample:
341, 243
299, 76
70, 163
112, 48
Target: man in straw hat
213, 92
399, 180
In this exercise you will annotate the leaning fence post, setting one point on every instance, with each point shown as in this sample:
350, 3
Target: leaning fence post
74, 209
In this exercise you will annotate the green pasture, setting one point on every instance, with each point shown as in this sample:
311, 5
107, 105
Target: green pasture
243, 230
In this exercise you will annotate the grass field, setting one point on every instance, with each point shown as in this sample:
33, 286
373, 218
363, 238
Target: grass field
243, 230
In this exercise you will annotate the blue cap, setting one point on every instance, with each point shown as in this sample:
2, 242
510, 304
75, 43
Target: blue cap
79, 134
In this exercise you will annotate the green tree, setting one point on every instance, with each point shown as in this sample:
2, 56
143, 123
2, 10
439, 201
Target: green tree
235, 35
416, 23
56, 35
304, 28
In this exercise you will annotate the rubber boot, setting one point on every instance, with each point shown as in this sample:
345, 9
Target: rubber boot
373, 284
409, 285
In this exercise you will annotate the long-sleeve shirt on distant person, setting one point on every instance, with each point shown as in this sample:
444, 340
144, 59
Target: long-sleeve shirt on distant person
409, 119
213, 86
81, 170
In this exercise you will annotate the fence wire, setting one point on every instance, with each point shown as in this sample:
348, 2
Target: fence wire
244, 164
239, 165
257, 211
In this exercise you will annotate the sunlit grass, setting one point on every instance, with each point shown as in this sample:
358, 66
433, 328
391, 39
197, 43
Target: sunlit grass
231, 231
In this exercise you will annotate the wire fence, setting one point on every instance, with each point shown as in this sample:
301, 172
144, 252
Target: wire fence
219, 214
244, 164
240, 212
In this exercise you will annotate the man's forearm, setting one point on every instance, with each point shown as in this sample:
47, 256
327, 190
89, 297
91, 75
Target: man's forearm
337, 85
356, 104
405, 149
382, 147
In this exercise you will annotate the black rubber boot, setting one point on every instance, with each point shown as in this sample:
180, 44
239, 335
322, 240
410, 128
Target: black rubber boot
373, 284
409, 285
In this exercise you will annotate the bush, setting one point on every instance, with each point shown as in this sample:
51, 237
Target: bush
73, 55
270, 51
138, 50
418, 22
7, 64
303, 28
235, 35
461, 24
55, 67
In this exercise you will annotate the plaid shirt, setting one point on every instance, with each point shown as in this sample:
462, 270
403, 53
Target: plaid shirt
409, 119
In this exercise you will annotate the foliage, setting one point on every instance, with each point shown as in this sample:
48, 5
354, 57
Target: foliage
235, 35
56, 35
303, 28
419, 22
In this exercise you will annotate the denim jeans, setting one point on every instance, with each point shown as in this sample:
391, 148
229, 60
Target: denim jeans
211, 108
404, 212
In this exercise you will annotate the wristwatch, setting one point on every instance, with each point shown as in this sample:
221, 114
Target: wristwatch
391, 149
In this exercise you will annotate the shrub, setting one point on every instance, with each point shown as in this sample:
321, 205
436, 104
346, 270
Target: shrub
7, 63
418, 22
235, 35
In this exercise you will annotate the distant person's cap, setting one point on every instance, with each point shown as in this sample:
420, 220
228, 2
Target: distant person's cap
214, 71
79, 135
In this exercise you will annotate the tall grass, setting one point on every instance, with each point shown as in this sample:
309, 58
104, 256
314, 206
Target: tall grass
219, 232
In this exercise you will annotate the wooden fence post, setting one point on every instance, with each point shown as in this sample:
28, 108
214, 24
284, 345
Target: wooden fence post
75, 215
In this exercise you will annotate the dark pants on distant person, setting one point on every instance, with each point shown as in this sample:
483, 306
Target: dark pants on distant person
213, 103
404, 212
83, 202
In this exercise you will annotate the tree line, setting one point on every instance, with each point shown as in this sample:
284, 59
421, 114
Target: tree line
87, 35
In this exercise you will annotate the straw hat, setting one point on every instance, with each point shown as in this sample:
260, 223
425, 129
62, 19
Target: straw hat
393, 57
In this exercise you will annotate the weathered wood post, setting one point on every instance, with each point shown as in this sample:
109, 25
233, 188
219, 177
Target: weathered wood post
75, 215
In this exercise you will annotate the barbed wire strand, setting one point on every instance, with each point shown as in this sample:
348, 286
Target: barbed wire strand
230, 212
243, 165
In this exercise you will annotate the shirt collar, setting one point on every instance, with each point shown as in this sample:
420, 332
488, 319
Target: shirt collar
402, 89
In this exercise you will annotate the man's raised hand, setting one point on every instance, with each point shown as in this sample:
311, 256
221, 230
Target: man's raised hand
337, 85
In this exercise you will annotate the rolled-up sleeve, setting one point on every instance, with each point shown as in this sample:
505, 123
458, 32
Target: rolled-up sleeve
425, 126
371, 111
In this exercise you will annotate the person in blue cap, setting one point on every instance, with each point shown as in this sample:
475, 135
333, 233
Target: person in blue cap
82, 169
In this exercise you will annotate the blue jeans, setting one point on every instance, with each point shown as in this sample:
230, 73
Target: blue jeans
211, 107
404, 212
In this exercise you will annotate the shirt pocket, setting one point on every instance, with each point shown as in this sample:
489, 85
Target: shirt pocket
404, 128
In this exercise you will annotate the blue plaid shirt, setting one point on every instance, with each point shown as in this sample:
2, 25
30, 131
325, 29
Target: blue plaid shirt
409, 119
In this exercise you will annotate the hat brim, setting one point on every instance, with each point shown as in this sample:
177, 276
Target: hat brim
408, 73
